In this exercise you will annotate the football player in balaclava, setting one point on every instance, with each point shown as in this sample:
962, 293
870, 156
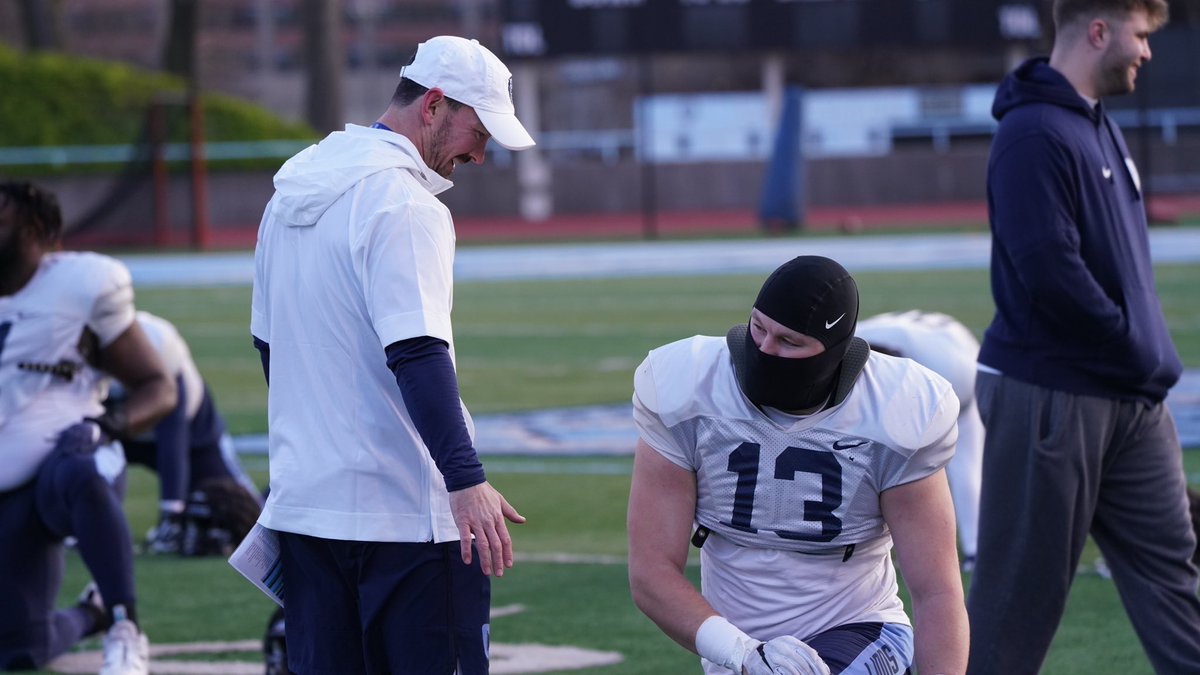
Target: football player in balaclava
801, 458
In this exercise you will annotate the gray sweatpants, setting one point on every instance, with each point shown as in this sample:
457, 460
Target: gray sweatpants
1056, 467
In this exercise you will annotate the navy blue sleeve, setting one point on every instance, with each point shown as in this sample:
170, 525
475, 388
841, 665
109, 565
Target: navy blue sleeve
425, 374
264, 355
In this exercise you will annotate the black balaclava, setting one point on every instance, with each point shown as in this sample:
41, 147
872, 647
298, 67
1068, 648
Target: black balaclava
815, 296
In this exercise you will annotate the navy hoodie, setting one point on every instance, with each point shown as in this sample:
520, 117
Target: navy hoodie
1076, 306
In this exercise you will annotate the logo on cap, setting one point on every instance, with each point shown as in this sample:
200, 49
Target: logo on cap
510, 96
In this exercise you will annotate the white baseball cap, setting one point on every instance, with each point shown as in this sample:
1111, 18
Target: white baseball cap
468, 73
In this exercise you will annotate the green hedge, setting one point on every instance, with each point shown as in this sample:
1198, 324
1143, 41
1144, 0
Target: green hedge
55, 99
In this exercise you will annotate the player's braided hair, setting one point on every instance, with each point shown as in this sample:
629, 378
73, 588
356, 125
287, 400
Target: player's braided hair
37, 210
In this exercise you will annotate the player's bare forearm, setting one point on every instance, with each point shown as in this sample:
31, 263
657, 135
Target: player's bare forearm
134, 361
153, 399
941, 634
921, 516
662, 504
668, 599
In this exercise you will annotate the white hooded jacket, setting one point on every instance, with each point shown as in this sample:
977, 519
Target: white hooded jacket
354, 253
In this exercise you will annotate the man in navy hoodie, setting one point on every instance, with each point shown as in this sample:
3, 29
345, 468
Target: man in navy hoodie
1077, 361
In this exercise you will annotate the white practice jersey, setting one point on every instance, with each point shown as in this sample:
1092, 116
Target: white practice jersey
945, 346
798, 542
176, 357
934, 340
46, 383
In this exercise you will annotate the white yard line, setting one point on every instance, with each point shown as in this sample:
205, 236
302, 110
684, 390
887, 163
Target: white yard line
506, 659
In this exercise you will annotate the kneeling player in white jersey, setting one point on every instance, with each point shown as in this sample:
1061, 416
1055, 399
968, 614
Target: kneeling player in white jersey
203, 491
801, 458
945, 346
65, 318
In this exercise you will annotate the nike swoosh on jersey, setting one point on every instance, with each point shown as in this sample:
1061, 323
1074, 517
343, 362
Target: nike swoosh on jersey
847, 444
831, 324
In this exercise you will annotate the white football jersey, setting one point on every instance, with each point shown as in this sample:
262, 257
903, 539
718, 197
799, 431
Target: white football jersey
176, 358
937, 341
798, 542
948, 348
46, 383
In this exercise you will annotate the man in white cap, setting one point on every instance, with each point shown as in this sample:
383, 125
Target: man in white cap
387, 526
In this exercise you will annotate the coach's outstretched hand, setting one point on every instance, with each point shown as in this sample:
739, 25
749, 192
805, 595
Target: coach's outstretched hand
481, 510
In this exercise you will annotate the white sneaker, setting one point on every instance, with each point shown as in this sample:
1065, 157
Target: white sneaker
126, 650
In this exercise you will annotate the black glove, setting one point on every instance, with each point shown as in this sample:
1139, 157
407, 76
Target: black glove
114, 422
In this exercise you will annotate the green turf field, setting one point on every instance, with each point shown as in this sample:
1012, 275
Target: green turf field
525, 345
529, 345
583, 604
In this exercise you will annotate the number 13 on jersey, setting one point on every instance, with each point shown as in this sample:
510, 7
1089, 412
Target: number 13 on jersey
744, 461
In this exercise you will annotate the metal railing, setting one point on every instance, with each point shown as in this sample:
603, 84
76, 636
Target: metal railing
606, 145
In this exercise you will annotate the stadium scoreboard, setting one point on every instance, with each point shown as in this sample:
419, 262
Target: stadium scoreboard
551, 28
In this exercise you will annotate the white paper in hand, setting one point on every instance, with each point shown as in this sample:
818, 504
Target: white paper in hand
257, 559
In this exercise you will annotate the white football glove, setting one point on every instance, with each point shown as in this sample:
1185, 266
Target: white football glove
784, 655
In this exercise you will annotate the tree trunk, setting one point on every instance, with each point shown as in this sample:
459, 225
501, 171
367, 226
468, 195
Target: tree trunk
179, 49
324, 60
42, 23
